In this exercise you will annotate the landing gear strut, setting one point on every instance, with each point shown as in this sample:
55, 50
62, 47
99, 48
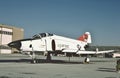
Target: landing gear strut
87, 60
33, 55
34, 60
48, 57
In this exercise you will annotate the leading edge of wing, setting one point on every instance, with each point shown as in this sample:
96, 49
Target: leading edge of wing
86, 52
94, 52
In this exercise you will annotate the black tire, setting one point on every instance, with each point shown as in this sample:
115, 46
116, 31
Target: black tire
33, 61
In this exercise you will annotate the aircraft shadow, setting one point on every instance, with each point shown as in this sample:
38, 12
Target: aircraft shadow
111, 77
102, 60
107, 69
58, 61
39, 61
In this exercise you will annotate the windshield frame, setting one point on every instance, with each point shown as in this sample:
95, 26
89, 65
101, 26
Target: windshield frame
42, 35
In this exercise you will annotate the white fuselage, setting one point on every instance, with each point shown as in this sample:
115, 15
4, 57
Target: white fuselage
52, 43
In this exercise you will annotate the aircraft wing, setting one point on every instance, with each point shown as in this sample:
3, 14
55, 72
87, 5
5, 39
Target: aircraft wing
94, 52
69, 50
86, 52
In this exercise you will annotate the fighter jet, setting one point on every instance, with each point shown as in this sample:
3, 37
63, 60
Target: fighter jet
51, 43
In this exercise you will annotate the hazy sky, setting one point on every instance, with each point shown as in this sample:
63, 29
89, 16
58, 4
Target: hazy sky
69, 18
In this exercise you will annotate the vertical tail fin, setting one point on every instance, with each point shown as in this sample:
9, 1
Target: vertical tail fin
85, 37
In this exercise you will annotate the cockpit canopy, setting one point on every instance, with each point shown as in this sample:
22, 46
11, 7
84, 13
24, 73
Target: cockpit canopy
41, 35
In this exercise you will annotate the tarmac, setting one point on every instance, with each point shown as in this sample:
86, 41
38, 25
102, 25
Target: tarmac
19, 66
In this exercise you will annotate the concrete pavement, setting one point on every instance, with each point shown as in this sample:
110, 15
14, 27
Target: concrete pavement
19, 66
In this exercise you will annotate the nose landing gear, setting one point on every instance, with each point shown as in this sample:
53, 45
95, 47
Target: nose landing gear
34, 60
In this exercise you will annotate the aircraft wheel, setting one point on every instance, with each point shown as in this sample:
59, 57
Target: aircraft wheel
87, 60
34, 61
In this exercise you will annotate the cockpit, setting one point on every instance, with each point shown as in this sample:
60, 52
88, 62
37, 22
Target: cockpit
41, 35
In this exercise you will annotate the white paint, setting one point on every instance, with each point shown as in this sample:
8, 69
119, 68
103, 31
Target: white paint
61, 44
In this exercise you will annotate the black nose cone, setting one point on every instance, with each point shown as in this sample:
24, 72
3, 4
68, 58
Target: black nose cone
15, 44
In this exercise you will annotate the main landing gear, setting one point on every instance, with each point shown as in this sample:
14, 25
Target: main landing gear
48, 58
87, 60
34, 59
